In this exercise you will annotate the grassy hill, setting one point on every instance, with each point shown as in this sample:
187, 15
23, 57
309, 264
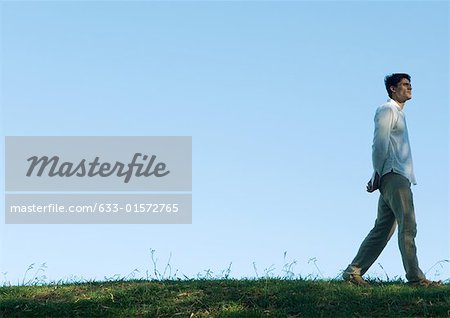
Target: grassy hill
224, 298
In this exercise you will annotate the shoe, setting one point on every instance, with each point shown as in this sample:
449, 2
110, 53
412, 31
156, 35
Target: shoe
425, 283
355, 279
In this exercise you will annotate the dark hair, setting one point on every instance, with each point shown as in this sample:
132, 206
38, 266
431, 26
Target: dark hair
393, 80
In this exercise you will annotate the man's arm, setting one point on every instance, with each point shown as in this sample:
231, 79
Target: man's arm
384, 121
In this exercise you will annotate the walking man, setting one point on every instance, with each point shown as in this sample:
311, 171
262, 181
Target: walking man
392, 176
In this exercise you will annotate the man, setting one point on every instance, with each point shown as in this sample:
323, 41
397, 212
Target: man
392, 176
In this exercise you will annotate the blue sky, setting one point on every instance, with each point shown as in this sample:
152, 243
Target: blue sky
279, 99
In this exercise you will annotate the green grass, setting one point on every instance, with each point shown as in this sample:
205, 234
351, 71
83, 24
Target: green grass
224, 298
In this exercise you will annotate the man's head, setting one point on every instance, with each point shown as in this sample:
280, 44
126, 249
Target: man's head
398, 86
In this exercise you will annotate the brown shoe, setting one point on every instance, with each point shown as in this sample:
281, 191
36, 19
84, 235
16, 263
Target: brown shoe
354, 279
425, 283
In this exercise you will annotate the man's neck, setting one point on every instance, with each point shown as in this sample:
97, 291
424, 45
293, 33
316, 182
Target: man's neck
400, 104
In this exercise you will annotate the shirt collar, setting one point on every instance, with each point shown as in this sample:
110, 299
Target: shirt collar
393, 102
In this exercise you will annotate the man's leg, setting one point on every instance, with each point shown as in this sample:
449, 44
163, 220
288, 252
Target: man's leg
396, 190
374, 243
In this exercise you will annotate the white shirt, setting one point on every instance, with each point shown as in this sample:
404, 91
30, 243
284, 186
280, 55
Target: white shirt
391, 150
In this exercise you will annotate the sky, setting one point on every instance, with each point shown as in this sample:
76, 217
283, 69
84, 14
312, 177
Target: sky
279, 99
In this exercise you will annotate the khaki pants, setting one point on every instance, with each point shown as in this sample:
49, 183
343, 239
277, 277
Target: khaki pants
395, 206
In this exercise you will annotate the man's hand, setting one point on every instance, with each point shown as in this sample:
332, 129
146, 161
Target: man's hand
374, 183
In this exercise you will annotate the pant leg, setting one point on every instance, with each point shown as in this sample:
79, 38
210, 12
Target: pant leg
396, 191
376, 240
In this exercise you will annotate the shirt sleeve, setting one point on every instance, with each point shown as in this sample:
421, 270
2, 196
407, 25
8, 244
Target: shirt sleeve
384, 122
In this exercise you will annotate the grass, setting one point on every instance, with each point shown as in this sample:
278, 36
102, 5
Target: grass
265, 297
165, 294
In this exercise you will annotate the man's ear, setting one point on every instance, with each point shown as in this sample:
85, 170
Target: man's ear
392, 88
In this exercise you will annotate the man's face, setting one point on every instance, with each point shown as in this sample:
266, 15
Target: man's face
402, 92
